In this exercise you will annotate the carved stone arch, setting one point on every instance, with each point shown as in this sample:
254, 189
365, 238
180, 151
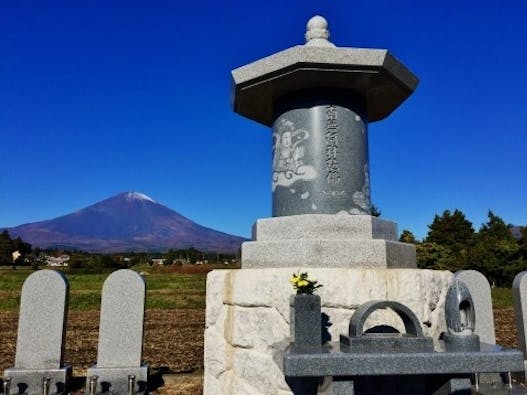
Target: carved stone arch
410, 320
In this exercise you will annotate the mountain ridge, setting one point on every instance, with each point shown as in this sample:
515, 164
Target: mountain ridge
128, 221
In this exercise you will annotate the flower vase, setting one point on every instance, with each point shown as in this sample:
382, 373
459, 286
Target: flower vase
307, 333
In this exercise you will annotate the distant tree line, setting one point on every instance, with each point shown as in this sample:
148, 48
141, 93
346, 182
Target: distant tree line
453, 244
98, 261
450, 244
8, 246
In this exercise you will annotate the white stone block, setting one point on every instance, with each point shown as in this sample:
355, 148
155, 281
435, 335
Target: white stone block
244, 343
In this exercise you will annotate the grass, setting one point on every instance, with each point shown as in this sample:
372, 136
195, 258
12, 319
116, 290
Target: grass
167, 288
502, 297
172, 287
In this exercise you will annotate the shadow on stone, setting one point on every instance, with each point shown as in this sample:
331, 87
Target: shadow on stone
142, 387
60, 388
303, 385
22, 388
105, 386
382, 329
325, 324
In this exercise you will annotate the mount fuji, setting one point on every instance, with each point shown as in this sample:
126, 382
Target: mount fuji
129, 221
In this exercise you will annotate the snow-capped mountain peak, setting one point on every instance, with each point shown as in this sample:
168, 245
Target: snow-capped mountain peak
129, 221
138, 196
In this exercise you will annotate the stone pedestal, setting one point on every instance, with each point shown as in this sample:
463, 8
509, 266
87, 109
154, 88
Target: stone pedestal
30, 381
249, 315
115, 380
306, 322
319, 240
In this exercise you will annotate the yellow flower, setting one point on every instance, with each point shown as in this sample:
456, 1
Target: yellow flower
303, 283
294, 280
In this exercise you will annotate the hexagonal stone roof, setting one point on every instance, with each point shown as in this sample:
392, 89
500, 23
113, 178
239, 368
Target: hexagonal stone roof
375, 74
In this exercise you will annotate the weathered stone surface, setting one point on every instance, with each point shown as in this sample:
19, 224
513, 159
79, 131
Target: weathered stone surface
41, 329
248, 317
243, 322
216, 283
479, 289
218, 352
252, 363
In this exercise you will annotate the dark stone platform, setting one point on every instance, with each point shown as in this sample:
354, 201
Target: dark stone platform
335, 359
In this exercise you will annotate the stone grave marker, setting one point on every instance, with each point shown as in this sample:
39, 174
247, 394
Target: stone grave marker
519, 294
479, 289
40, 338
119, 354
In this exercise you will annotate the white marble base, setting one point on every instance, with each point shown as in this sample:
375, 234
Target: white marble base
248, 317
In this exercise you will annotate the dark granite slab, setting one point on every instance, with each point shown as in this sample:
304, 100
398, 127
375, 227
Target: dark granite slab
336, 360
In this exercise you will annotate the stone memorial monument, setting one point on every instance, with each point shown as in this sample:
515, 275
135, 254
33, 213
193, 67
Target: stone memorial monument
39, 366
119, 366
319, 100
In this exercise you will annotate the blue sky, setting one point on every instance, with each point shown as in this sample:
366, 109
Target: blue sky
101, 97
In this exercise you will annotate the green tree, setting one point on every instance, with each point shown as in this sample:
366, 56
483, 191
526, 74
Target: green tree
455, 232
75, 263
495, 252
6, 248
452, 230
407, 237
170, 256
107, 261
495, 228
522, 244
436, 256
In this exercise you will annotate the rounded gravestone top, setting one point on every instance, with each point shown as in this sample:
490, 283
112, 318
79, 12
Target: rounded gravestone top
317, 33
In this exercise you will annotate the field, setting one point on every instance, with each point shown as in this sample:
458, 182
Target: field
175, 318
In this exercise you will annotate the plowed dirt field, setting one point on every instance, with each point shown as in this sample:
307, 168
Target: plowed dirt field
173, 345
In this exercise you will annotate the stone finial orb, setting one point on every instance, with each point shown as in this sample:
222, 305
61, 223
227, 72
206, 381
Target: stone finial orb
317, 33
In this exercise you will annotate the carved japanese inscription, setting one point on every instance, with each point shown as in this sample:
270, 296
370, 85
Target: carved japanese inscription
331, 137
